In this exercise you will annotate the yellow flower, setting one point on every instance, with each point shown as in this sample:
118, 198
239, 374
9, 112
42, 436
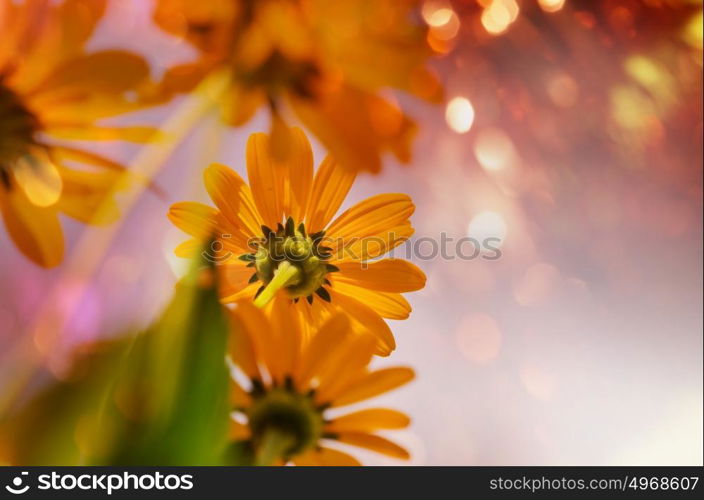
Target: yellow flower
275, 239
51, 91
291, 384
324, 60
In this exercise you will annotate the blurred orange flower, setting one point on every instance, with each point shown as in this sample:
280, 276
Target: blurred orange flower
51, 91
326, 61
305, 256
291, 382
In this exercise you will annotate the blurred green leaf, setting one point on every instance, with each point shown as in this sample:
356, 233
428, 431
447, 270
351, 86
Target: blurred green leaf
156, 398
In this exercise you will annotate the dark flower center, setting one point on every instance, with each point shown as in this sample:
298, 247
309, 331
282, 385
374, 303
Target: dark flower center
291, 416
299, 255
18, 128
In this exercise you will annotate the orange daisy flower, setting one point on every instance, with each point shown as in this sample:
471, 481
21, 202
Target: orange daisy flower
51, 92
325, 61
282, 405
276, 239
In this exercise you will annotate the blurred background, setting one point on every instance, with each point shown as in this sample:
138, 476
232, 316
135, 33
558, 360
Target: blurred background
571, 131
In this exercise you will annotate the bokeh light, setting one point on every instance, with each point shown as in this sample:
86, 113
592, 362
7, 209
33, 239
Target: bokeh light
459, 115
498, 15
486, 225
551, 5
494, 149
479, 338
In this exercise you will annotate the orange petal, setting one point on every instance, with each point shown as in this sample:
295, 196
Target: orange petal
326, 457
346, 120
228, 295
368, 421
347, 365
261, 334
239, 398
195, 219
87, 196
375, 383
385, 304
248, 323
234, 276
112, 71
386, 275
265, 179
92, 133
367, 321
299, 175
234, 199
287, 334
240, 103
238, 431
374, 443
35, 230
252, 322
330, 187
372, 216
369, 246
324, 342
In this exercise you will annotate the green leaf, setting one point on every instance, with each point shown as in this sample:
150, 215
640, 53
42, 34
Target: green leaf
156, 398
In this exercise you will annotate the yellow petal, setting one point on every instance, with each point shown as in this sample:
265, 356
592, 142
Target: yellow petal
60, 37
111, 70
92, 133
374, 443
367, 321
234, 199
386, 275
240, 104
35, 230
38, 177
375, 383
188, 249
63, 153
369, 420
265, 179
330, 187
385, 304
195, 219
88, 196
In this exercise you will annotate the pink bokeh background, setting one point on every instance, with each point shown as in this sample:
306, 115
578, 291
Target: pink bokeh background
582, 344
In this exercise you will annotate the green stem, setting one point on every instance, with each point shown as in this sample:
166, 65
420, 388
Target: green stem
273, 446
284, 275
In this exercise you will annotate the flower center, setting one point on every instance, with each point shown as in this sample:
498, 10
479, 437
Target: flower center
18, 127
279, 73
291, 259
282, 419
